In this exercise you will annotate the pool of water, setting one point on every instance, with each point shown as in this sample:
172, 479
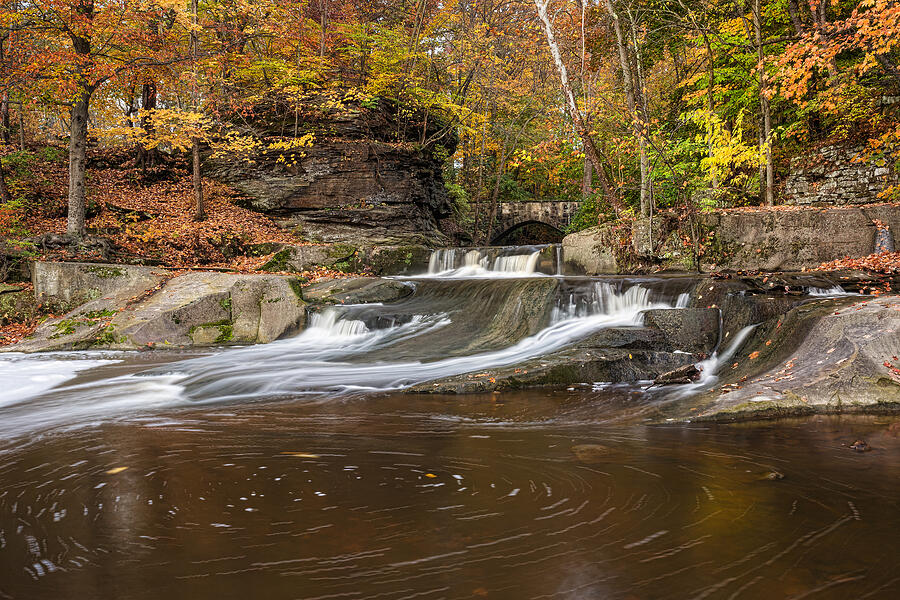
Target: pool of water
541, 494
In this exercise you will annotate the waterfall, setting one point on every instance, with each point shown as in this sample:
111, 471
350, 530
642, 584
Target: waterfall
501, 261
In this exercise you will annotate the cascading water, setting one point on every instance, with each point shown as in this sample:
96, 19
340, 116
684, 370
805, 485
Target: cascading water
500, 261
367, 348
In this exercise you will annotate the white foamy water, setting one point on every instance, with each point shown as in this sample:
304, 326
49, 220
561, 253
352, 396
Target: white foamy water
24, 376
331, 357
828, 292
456, 263
709, 368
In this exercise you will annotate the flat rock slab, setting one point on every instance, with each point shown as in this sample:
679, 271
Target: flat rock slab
575, 365
356, 290
308, 257
67, 285
191, 310
826, 356
203, 309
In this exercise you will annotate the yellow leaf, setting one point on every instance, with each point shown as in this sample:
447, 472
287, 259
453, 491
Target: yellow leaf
430, 475
301, 454
116, 470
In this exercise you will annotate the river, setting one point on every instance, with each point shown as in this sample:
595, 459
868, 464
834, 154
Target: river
301, 469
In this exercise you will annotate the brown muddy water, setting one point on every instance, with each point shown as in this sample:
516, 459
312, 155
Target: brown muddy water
533, 495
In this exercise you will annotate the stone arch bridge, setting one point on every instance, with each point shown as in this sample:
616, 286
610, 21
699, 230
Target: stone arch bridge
515, 215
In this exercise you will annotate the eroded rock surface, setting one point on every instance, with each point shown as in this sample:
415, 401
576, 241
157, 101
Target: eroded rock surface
826, 356
143, 307
365, 179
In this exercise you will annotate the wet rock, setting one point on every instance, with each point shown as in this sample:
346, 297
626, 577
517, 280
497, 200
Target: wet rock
822, 356
574, 365
681, 375
635, 338
585, 252
591, 453
689, 329
190, 310
356, 290
860, 446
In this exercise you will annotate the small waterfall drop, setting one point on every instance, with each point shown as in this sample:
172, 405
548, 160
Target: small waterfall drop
500, 261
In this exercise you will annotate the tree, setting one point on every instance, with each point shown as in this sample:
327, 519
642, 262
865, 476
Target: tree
77, 46
572, 107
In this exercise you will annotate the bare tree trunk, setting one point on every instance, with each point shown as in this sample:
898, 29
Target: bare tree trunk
323, 22
199, 205
572, 107
587, 179
767, 170
147, 158
21, 127
711, 107
78, 162
4, 118
640, 118
794, 12
630, 98
4, 189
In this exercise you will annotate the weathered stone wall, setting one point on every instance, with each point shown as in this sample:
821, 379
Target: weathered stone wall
791, 240
366, 178
835, 175
762, 240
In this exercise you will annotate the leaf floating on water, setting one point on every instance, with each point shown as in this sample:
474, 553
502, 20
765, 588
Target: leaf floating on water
430, 475
300, 454
116, 470
754, 355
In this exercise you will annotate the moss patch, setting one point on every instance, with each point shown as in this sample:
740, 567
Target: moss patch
105, 272
280, 261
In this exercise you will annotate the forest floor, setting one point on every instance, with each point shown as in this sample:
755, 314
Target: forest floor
146, 215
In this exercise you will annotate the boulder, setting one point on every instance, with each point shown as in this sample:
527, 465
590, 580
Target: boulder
64, 286
205, 309
688, 329
830, 355
307, 257
585, 253
191, 310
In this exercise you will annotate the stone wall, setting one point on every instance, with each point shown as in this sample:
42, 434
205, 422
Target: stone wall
761, 240
790, 240
835, 175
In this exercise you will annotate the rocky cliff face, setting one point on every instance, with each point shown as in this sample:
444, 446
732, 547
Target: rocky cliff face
373, 173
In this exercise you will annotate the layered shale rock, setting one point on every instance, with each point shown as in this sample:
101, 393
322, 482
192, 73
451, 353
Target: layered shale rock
372, 174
